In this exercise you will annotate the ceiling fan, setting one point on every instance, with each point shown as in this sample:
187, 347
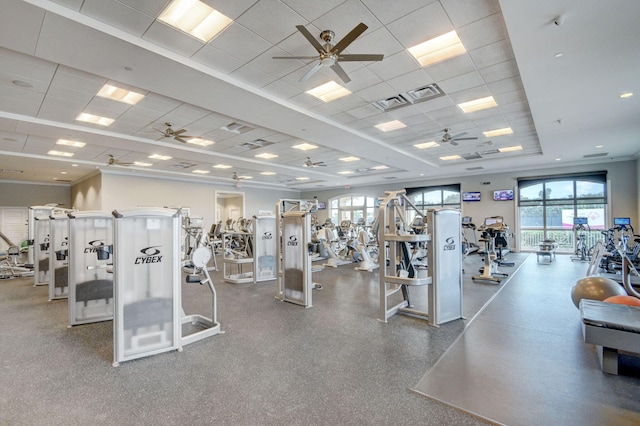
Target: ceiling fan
329, 55
174, 134
237, 178
310, 163
453, 140
114, 161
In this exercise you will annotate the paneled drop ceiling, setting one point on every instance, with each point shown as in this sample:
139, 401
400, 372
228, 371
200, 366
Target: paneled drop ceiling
557, 87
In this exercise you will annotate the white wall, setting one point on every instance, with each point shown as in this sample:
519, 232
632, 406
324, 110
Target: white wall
87, 194
22, 194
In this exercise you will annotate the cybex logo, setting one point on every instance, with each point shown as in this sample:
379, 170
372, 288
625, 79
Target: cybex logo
267, 236
293, 241
94, 246
450, 244
150, 255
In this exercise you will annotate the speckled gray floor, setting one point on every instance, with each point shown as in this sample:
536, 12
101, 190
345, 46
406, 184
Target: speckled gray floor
276, 363
523, 360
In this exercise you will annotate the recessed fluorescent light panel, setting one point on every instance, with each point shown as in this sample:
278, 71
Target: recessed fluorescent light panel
478, 104
510, 148
346, 172
329, 91
160, 157
201, 172
302, 178
121, 95
438, 49
381, 167
626, 95
498, 132
142, 164
305, 146
425, 145
245, 177
74, 144
200, 142
195, 18
95, 119
450, 157
60, 153
390, 125
268, 173
349, 159
266, 156
221, 166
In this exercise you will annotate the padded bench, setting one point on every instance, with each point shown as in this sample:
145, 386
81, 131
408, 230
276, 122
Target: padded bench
611, 327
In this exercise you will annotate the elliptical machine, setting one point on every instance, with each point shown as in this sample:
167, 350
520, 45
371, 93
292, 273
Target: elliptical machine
580, 226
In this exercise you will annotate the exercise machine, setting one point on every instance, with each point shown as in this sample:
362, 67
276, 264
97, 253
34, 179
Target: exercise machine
58, 257
264, 250
469, 245
443, 278
580, 226
493, 230
91, 267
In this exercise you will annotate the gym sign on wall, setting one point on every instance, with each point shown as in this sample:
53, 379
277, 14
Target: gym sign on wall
150, 255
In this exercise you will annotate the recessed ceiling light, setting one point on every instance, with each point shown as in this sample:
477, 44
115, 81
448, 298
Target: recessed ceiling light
95, 119
201, 172
160, 157
74, 144
268, 173
558, 159
305, 146
626, 95
425, 145
266, 156
142, 164
195, 18
498, 132
349, 159
302, 178
390, 125
346, 172
380, 167
558, 55
74, 165
63, 173
599, 146
200, 142
478, 104
329, 91
245, 177
510, 148
60, 153
438, 49
450, 157
221, 166
121, 95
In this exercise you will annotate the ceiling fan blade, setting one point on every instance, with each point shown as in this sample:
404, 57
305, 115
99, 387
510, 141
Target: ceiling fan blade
311, 72
458, 135
349, 38
361, 58
314, 42
319, 164
338, 70
453, 142
464, 139
179, 132
295, 57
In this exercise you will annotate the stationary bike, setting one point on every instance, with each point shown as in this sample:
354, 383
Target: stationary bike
580, 226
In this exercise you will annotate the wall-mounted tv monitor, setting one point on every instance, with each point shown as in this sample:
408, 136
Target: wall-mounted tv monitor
322, 205
471, 196
580, 221
619, 221
503, 195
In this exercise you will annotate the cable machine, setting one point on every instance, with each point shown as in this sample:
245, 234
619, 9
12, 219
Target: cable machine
441, 238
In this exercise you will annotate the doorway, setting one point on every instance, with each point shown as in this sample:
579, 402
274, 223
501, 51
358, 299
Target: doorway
229, 205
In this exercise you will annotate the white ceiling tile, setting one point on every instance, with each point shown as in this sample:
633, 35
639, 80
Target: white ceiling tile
506, 85
435, 104
376, 92
18, 18
421, 25
387, 13
117, 14
216, 59
461, 82
172, 39
492, 54
281, 89
483, 32
340, 19
19, 106
252, 44
311, 10
253, 76
148, 7
459, 65
274, 67
463, 12
272, 19
499, 71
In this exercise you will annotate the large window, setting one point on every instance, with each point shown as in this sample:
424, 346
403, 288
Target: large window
548, 205
353, 208
429, 197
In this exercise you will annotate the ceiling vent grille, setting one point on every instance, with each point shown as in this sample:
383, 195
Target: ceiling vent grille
489, 152
414, 96
602, 154
237, 128
389, 177
255, 144
474, 168
182, 165
472, 156
391, 103
425, 93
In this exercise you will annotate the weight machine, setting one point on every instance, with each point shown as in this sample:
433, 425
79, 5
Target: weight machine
58, 254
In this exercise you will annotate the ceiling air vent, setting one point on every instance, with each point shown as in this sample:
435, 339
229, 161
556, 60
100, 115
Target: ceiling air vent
474, 168
602, 154
425, 93
391, 103
236, 128
489, 152
389, 177
472, 156
182, 165
258, 143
